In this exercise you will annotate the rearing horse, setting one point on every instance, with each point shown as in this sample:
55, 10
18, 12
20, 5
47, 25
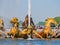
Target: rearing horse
47, 28
14, 30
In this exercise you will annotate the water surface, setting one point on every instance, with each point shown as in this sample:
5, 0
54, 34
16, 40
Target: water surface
29, 42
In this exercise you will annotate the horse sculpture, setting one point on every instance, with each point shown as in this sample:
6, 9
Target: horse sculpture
14, 30
1, 25
47, 28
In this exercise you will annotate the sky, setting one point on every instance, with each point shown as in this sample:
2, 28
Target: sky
40, 9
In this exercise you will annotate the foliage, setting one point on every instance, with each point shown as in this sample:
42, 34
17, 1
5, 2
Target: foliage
57, 19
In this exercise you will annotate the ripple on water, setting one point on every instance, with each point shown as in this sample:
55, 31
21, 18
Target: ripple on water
28, 42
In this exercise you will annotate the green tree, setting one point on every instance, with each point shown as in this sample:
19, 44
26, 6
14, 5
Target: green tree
41, 23
57, 19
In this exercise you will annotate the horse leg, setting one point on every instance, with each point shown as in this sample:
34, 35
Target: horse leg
47, 35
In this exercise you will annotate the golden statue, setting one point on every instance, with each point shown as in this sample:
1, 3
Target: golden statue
28, 30
1, 25
14, 30
25, 23
47, 28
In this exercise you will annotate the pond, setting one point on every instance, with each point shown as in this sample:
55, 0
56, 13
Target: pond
29, 42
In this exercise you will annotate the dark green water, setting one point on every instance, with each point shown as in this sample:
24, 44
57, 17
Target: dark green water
29, 42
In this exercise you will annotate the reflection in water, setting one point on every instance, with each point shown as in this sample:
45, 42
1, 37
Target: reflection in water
28, 42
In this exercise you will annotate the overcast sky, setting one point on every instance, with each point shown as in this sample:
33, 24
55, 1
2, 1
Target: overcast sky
40, 9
